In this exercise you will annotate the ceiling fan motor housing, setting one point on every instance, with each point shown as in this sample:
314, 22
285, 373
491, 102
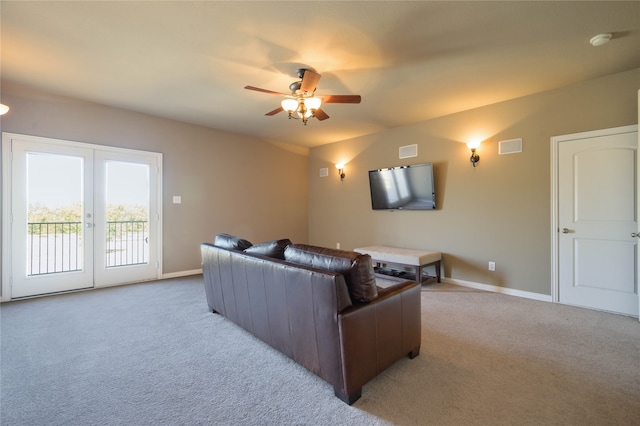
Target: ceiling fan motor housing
295, 86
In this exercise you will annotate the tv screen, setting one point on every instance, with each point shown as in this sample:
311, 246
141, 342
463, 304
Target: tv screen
403, 188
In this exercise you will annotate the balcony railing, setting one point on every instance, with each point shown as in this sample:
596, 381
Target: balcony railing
55, 247
127, 243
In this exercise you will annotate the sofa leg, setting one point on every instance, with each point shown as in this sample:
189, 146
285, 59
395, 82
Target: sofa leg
349, 399
414, 353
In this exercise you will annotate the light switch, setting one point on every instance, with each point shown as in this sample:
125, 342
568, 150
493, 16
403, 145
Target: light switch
177, 199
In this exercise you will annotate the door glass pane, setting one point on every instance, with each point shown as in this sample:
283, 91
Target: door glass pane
127, 201
54, 213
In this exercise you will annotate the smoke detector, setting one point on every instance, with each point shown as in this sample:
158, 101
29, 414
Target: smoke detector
600, 39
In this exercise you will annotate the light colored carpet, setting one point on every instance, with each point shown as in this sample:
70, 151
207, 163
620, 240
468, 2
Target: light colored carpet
152, 354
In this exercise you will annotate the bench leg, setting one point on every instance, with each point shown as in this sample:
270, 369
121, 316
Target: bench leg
419, 271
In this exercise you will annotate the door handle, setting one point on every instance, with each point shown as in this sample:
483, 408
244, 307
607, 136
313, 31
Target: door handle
88, 225
565, 230
635, 234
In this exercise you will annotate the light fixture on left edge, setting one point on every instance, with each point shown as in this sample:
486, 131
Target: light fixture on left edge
3, 109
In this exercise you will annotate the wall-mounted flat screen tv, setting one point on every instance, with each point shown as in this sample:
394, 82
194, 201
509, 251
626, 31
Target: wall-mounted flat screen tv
403, 188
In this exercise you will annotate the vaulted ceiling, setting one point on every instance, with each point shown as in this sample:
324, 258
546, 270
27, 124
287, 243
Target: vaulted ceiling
409, 60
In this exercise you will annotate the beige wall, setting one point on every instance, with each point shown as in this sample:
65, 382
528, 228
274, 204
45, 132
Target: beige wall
228, 183
498, 211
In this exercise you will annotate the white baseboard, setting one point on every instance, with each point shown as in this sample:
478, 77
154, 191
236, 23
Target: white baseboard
498, 289
463, 283
181, 274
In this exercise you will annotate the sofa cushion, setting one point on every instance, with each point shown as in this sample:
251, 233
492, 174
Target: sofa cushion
230, 242
357, 268
273, 248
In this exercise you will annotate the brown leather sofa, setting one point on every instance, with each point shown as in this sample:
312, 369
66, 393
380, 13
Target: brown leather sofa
333, 323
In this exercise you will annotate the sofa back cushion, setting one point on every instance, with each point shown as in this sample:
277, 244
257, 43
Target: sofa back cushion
357, 268
273, 248
231, 242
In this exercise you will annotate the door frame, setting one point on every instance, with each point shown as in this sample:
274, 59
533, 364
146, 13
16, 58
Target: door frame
7, 186
555, 202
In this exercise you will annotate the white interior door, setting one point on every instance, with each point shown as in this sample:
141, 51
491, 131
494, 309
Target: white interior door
597, 221
77, 216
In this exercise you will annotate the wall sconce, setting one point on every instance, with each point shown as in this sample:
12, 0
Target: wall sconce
473, 145
3, 109
340, 168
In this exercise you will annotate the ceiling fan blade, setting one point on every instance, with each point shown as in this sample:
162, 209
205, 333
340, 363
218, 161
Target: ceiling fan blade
271, 92
275, 111
341, 99
320, 114
309, 81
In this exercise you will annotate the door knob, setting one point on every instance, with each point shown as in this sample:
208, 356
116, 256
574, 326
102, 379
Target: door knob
565, 230
635, 234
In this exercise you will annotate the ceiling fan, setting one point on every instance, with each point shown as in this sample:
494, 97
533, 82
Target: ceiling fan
302, 100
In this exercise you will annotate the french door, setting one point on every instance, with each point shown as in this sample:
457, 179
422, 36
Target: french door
77, 216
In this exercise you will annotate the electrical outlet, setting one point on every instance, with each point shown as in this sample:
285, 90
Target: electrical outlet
492, 266
338, 245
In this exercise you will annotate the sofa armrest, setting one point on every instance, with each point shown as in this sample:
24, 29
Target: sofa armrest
376, 334
400, 286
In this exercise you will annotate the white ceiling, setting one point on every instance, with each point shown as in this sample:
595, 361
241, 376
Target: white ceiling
411, 61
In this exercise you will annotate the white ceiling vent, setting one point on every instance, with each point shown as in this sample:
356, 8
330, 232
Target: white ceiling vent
408, 151
511, 146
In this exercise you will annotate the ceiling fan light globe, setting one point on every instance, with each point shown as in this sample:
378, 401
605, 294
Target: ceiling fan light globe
313, 103
289, 105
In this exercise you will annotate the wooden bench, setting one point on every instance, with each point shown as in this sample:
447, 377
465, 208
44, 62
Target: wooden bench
404, 257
